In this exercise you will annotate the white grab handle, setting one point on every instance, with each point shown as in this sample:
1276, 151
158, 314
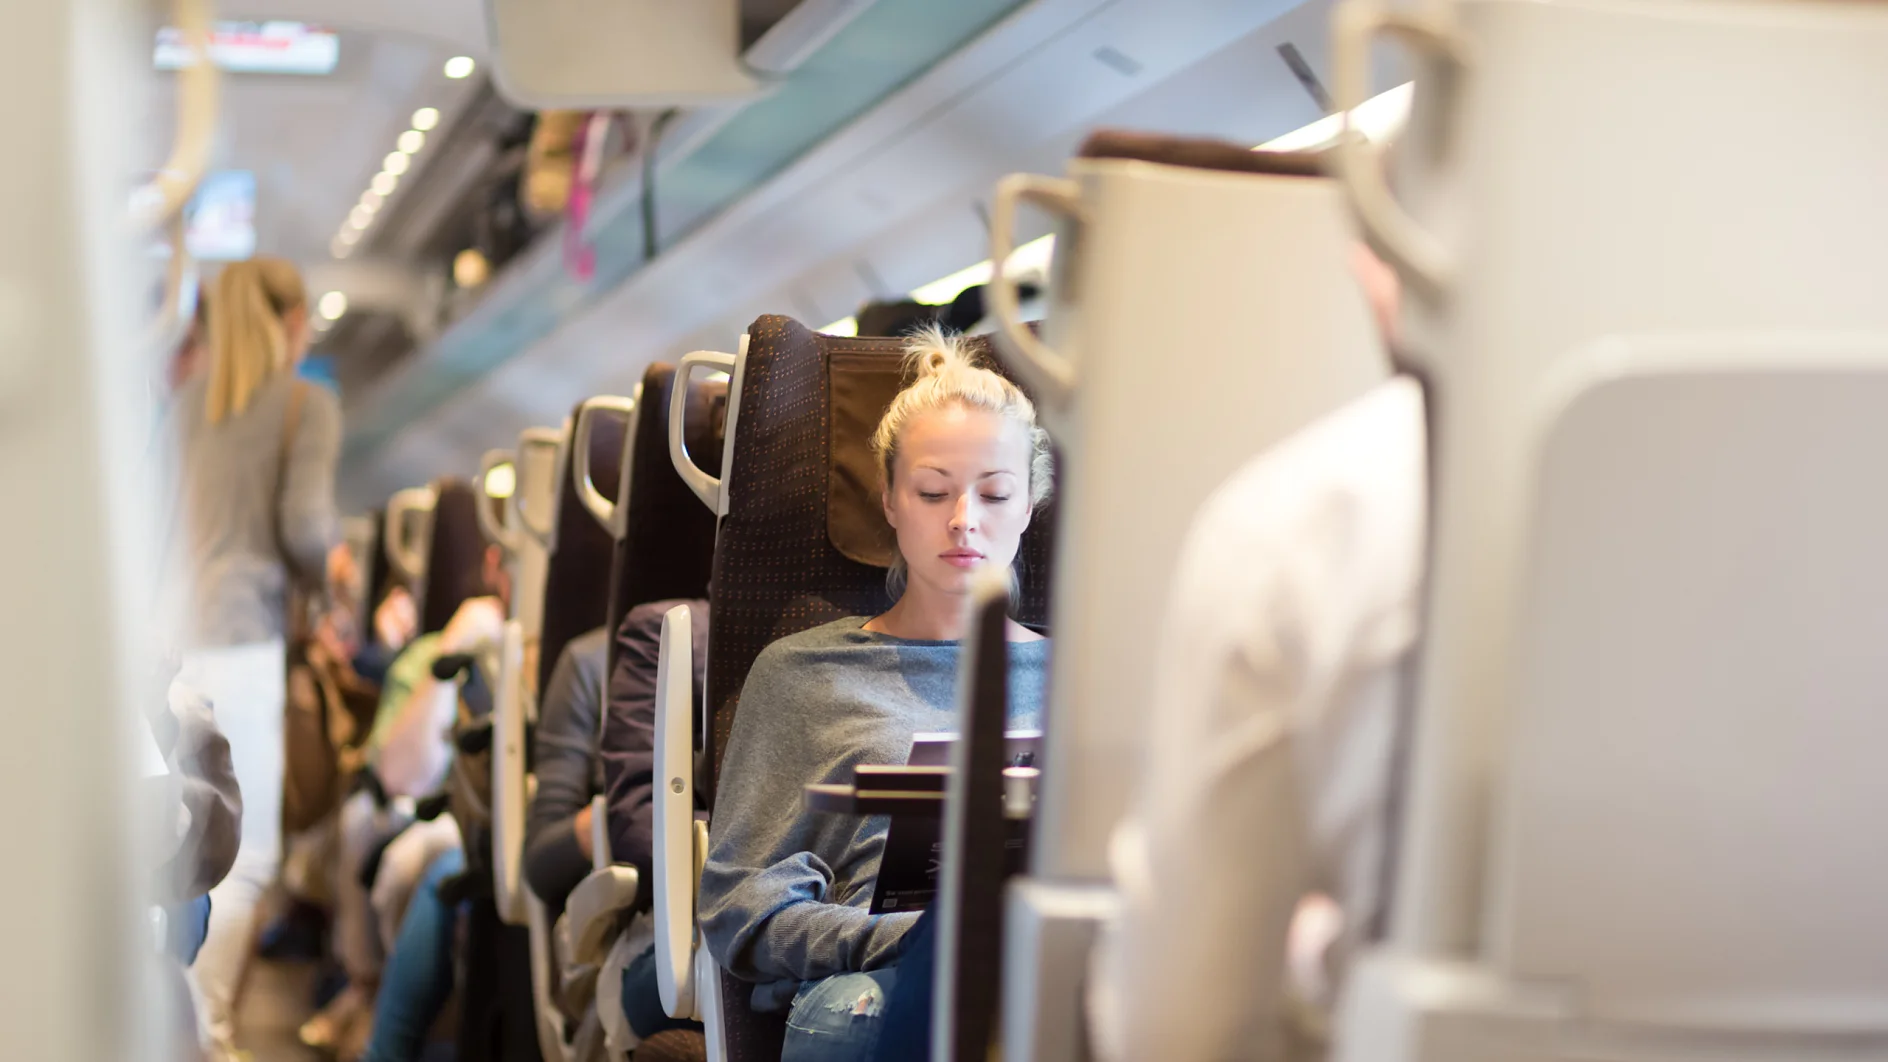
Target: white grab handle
1410, 249
529, 440
1044, 371
674, 813
406, 556
177, 181
705, 486
508, 538
181, 279
602, 509
508, 779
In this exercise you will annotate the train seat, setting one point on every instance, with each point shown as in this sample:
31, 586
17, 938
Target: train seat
1254, 301
802, 541
664, 550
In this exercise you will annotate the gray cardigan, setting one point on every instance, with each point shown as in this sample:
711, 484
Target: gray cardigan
237, 486
785, 895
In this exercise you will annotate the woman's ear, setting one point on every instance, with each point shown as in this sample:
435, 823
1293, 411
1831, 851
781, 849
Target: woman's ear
885, 502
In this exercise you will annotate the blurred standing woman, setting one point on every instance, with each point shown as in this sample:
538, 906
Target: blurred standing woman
257, 449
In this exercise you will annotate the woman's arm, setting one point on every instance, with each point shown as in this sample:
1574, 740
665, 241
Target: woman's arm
557, 854
767, 908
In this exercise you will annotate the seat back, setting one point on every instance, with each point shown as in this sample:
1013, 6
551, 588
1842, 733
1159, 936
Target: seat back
455, 553
1202, 307
803, 541
576, 583
665, 548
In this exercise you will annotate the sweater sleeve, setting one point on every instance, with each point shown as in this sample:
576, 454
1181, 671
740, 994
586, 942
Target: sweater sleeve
309, 523
769, 909
554, 862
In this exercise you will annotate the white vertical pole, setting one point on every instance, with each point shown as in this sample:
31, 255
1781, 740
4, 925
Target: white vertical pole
73, 578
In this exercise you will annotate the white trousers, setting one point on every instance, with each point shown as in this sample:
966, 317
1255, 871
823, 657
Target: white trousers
247, 687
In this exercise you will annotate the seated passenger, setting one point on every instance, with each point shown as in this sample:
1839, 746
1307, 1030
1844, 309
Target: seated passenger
1294, 607
627, 744
785, 895
409, 753
557, 851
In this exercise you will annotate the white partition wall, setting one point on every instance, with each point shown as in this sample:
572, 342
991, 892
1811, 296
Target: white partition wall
74, 423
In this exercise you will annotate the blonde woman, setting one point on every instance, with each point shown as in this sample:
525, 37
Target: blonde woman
256, 452
786, 895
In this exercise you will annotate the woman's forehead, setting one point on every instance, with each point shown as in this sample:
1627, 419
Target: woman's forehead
957, 435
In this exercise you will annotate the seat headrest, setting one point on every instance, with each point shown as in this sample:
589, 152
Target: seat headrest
1200, 154
379, 569
455, 553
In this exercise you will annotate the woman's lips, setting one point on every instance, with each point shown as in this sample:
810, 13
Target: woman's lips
962, 558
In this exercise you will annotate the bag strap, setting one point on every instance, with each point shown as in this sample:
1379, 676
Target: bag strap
291, 425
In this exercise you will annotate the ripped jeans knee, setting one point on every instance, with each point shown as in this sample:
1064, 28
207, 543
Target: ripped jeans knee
838, 1019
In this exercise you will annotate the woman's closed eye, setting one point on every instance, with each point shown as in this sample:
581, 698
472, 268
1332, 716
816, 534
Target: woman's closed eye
996, 499
932, 497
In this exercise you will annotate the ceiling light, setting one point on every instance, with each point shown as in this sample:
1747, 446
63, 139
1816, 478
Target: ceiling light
460, 66
332, 306
845, 326
470, 268
385, 183
341, 247
501, 482
350, 236
358, 220
396, 163
426, 119
372, 200
1378, 118
411, 141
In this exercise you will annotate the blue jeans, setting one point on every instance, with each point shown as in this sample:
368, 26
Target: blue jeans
417, 981
838, 1019
189, 925
642, 999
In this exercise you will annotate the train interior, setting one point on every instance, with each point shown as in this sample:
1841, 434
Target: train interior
1052, 530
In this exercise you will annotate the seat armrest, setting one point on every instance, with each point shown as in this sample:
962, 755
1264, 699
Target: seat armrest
595, 908
510, 788
676, 857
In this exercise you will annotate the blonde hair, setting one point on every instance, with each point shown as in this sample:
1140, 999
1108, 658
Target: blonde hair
946, 371
248, 341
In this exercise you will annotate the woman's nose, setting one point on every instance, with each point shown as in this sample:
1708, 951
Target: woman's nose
964, 518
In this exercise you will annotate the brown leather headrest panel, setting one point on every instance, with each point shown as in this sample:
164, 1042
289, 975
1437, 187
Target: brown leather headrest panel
1200, 154
862, 386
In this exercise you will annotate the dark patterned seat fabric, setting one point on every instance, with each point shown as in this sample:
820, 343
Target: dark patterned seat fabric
577, 577
804, 541
668, 544
455, 554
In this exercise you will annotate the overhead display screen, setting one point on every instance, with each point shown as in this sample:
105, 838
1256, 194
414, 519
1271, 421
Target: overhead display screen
279, 47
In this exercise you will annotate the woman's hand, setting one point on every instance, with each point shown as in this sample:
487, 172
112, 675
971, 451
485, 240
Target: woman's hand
479, 623
343, 573
397, 620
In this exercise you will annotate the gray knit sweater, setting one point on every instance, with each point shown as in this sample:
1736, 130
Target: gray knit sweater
239, 487
785, 893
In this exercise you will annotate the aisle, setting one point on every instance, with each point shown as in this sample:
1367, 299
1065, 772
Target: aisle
275, 1004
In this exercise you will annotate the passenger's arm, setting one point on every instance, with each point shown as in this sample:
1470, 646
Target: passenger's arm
627, 743
767, 909
414, 750
556, 856
200, 759
310, 526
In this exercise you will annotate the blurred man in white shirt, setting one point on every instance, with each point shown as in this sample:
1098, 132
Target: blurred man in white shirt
1282, 656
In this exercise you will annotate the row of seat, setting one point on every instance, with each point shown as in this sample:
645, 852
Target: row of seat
1611, 575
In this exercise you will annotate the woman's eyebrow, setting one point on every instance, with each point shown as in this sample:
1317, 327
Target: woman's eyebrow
997, 472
